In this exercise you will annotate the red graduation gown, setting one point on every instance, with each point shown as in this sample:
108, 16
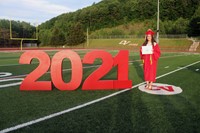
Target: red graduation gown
150, 63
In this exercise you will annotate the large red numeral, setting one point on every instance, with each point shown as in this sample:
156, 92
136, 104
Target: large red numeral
121, 61
93, 82
30, 83
76, 68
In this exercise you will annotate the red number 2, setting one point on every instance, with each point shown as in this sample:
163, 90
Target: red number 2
30, 83
93, 82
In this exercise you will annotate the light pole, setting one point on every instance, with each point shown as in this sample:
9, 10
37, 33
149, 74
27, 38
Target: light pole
87, 36
157, 37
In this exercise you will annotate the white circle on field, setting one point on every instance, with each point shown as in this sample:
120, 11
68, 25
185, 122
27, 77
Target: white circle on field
11, 84
5, 74
161, 89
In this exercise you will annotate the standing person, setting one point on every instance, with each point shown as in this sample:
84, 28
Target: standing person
150, 60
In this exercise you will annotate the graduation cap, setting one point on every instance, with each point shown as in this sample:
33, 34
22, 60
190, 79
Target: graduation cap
149, 32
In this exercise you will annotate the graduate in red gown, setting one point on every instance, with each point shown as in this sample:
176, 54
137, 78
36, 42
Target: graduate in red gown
150, 60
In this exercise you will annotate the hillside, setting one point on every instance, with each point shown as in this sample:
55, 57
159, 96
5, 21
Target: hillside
110, 18
175, 17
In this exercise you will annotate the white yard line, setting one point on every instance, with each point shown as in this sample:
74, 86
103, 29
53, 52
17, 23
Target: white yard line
84, 105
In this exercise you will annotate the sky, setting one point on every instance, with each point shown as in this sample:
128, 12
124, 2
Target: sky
39, 11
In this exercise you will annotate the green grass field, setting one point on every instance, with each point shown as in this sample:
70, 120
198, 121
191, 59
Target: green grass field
130, 111
173, 44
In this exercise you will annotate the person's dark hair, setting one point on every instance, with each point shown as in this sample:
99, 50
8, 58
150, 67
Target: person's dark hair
152, 41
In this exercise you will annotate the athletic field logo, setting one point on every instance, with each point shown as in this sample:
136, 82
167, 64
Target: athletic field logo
161, 89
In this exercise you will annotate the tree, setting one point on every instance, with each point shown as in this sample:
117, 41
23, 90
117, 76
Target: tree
180, 26
146, 9
58, 38
76, 35
194, 25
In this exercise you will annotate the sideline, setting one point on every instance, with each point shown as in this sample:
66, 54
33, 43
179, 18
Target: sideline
85, 104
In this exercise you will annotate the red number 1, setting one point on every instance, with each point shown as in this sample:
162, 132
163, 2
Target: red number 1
121, 61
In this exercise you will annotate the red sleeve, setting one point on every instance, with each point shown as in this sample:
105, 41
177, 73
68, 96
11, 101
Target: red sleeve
156, 52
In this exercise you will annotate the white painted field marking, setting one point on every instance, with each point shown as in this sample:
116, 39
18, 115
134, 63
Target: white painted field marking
11, 84
161, 89
167, 67
182, 67
85, 104
197, 70
124, 42
3, 78
5, 74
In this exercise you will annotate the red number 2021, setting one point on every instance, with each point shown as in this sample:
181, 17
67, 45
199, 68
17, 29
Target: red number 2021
92, 82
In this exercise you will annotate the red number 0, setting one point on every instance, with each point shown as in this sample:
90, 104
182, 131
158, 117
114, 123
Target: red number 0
56, 70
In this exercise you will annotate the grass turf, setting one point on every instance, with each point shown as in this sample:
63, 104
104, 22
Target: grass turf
180, 44
165, 44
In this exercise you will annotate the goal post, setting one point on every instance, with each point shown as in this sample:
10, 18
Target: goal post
23, 39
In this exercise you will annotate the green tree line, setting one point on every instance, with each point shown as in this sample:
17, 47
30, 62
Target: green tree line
19, 30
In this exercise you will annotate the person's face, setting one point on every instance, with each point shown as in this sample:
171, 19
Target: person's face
149, 37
